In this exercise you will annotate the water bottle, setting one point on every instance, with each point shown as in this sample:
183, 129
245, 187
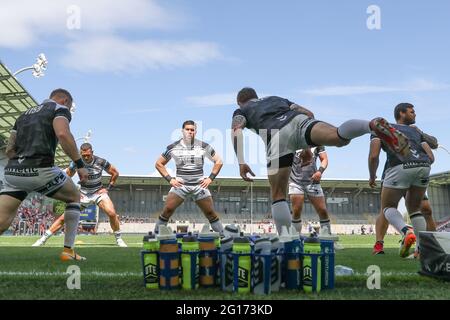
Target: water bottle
291, 244
208, 257
169, 259
241, 254
343, 271
275, 263
150, 258
261, 268
311, 265
327, 264
189, 262
226, 263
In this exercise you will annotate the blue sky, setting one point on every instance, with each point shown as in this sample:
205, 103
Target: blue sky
138, 69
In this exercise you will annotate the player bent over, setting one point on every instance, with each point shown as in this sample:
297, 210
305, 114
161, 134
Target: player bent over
92, 192
31, 167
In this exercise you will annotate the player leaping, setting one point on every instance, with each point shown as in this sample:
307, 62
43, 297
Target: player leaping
285, 127
92, 192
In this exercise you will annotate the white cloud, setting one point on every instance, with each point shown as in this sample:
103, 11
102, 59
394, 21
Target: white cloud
413, 86
118, 55
213, 100
139, 111
27, 20
99, 45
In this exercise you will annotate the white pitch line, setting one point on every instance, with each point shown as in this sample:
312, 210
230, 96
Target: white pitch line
63, 274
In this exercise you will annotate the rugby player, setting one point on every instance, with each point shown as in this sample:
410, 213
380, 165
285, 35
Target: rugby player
285, 127
92, 192
189, 154
407, 177
31, 166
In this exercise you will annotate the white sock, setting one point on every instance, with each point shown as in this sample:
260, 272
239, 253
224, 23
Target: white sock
353, 128
395, 218
162, 221
47, 234
281, 214
419, 224
325, 223
71, 219
117, 234
297, 225
216, 225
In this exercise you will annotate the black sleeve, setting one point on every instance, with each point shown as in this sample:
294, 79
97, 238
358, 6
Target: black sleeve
167, 154
63, 112
15, 127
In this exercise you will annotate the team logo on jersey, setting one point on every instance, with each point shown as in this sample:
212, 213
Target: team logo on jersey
282, 118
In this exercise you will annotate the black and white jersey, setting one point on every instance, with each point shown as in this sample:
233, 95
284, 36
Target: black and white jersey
189, 159
303, 170
417, 155
36, 140
95, 169
269, 113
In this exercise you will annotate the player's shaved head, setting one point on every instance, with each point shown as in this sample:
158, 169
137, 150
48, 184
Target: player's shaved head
86, 146
61, 94
189, 123
246, 94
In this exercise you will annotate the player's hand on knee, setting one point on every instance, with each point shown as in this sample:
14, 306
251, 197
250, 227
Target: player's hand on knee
244, 169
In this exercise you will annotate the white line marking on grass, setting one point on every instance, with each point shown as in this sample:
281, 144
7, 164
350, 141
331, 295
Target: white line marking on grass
63, 274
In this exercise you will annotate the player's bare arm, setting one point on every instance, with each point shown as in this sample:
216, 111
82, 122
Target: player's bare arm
374, 160
218, 163
114, 175
317, 176
160, 165
427, 148
67, 142
431, 140
11, 146
302, 110
237, 136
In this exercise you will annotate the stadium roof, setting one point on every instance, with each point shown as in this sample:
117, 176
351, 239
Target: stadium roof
440, 179
14, 100
238, 182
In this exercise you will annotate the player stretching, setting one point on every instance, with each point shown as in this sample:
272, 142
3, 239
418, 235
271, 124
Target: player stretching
31, 166
92, 192
305, 180
407, 178
285, 127
189, 154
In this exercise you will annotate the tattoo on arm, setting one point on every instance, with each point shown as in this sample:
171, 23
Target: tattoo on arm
301, 109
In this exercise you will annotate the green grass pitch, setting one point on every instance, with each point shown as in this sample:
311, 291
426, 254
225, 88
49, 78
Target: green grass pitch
115, 273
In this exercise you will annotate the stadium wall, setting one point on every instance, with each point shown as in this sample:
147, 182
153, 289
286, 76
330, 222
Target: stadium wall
439, 196
143, 197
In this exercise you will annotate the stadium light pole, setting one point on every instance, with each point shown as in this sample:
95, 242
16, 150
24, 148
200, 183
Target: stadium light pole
87, 137
38, 68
